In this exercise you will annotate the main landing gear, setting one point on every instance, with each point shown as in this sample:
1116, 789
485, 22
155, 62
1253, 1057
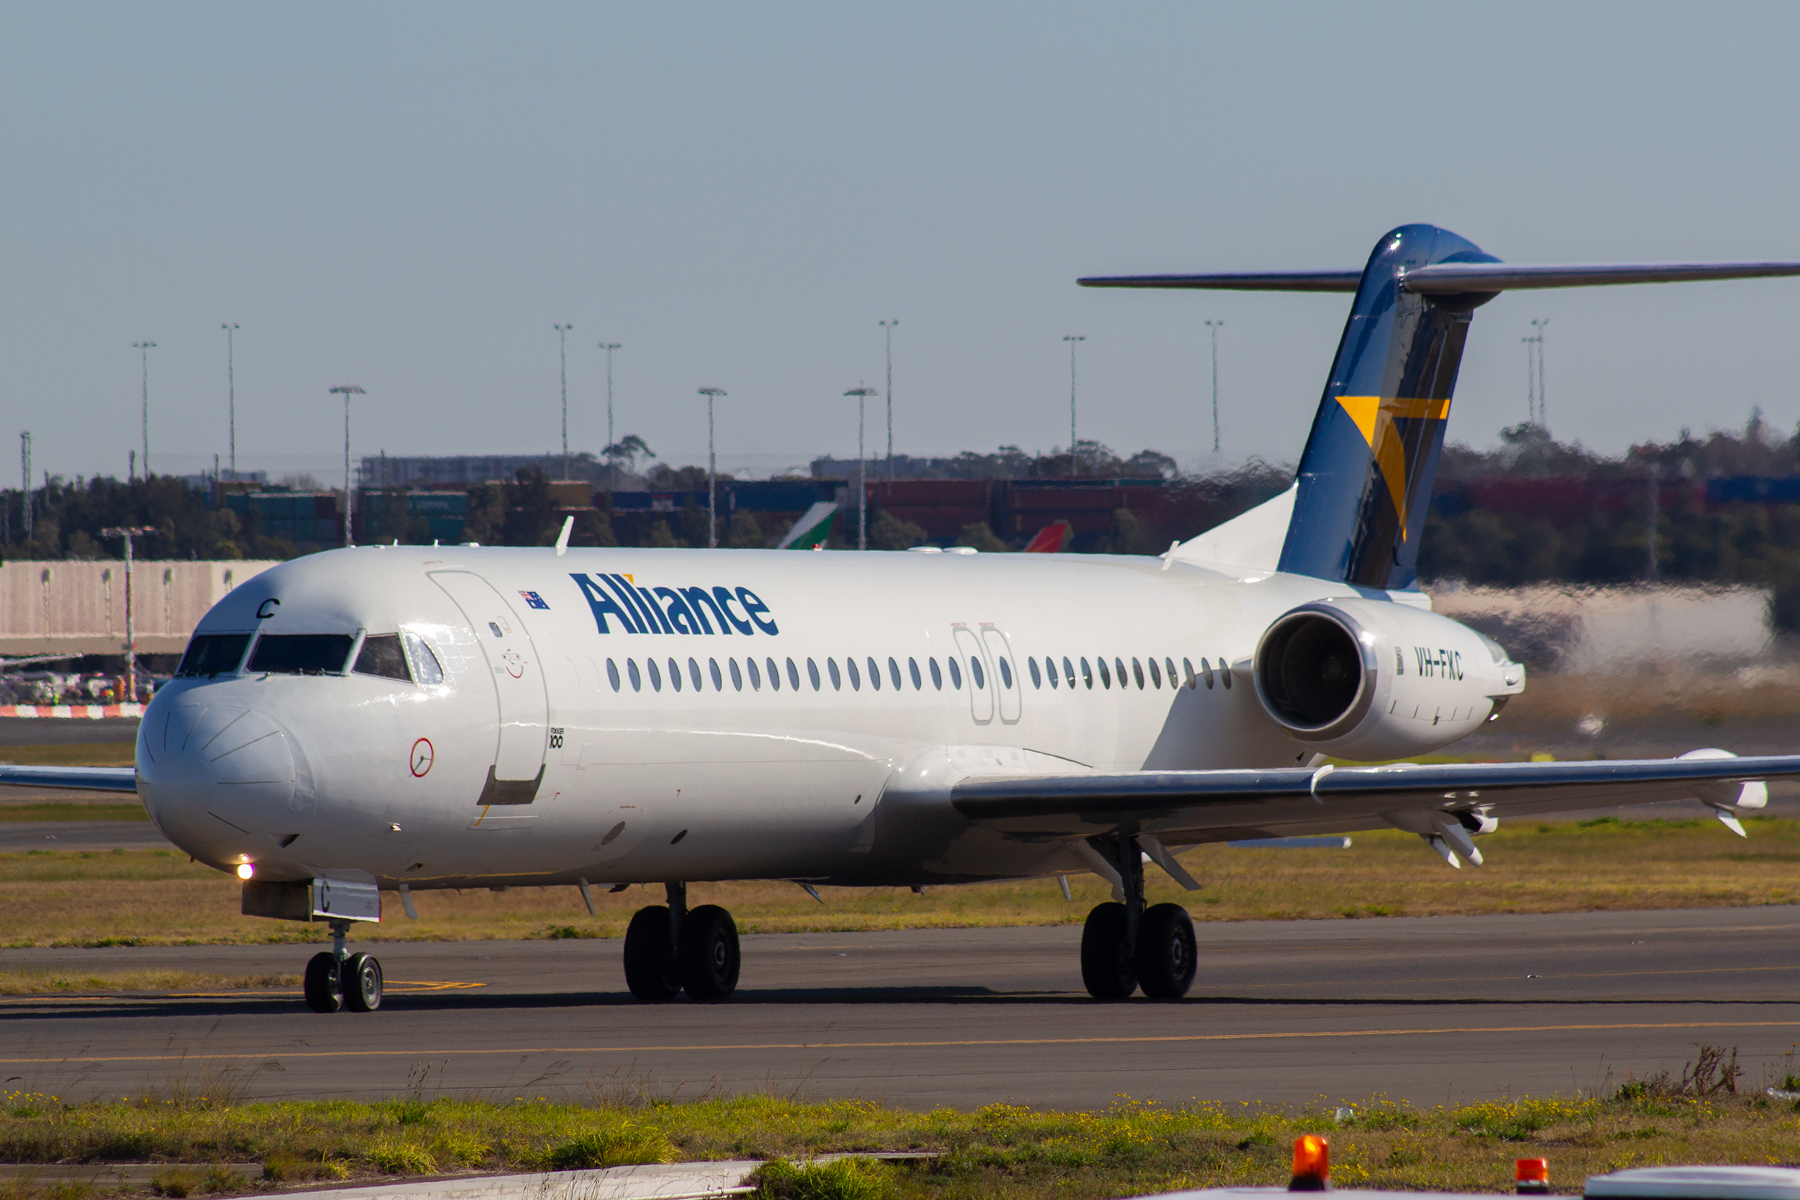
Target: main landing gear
336, 979
1125, 946
670, 948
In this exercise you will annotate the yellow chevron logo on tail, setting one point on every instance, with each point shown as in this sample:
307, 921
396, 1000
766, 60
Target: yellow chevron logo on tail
1375, 417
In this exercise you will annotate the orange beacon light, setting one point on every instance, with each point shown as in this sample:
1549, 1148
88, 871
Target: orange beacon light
1312, 1164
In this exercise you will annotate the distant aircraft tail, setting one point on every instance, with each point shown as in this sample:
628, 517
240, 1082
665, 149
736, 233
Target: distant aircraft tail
1049, 539
1365, 477
812, 530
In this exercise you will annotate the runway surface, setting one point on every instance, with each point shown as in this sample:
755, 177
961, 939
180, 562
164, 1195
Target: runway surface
1430, 1010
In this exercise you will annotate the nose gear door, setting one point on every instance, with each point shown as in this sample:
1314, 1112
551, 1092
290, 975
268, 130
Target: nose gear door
518, 680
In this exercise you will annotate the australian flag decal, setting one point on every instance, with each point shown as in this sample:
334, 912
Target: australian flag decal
533, 600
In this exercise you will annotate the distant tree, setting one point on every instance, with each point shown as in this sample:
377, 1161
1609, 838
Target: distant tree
659, 535
746, 532
982, 538
624, 453
888, 532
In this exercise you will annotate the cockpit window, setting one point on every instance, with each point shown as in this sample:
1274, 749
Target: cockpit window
302, 654
426, 668
213, 654
381, 655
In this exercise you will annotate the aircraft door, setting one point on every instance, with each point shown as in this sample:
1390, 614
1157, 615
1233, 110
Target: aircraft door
977, 675
1006, 673
518, 677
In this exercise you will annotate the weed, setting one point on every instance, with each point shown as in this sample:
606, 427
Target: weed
619, 1147
396, 1156
1713, 1071
840, 1179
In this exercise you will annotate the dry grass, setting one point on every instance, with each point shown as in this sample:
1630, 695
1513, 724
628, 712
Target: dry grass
74, 754
998, 1151
52, 898
52, 982
38, 809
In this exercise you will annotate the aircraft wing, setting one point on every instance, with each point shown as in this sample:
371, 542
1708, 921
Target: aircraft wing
1201, 806
87, 779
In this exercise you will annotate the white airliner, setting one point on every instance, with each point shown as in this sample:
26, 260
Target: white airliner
399, 719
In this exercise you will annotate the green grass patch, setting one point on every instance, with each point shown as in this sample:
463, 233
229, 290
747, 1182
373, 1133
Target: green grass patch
1001, 1150
74, 810
75, 754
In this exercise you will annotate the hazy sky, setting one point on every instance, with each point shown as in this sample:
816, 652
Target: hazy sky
408, 196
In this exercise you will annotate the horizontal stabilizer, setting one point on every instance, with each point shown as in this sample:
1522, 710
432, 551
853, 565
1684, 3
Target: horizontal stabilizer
1452, 278
1252, 281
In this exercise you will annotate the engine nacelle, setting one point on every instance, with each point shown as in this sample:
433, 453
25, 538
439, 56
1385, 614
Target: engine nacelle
1372, 680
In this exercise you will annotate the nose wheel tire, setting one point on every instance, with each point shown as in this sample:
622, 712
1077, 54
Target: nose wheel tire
1165, 952
1107, 966
361, 982
649, 958
708, 958
323, 986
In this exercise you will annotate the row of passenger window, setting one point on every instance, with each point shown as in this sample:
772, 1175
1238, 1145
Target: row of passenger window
654, 674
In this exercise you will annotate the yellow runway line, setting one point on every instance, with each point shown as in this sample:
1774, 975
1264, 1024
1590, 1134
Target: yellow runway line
1156, 1039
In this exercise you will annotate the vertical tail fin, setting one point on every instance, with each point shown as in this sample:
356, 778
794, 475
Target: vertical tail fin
1365, 476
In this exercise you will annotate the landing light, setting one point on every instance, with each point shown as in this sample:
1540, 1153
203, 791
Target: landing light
246, 870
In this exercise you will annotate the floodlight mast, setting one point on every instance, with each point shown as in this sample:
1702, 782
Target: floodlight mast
231, 396
862, 395
1213, 327
127, 532
1073, 457
887, 328
347, 390
609, 347
712, 471
562, 358
144, 349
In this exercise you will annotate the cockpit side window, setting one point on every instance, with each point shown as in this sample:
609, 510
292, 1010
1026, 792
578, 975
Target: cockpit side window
426, 668
381, 655
302, 653
214, 654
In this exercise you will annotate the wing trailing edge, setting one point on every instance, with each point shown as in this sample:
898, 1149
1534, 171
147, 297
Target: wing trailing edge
86, 779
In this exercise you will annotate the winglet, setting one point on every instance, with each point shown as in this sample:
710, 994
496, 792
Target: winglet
562, 539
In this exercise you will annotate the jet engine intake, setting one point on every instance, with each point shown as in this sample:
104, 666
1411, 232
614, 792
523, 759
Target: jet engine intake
1371, 680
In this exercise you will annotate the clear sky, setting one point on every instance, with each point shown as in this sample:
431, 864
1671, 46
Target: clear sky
408, 197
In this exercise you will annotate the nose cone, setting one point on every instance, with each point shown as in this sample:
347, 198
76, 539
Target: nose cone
212, 773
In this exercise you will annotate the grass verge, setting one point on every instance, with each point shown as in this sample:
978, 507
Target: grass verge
51, 982
143, 897
998, 1151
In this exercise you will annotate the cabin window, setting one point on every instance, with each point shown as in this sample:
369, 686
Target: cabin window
655, 674
712, 668
937, 676
1119, 666
675, 674
426, 668
1174, 681
976, 673
381, 655
874, 675
1005, 673
1224, 672
1137, 673
1155, 676
794, 675
1069, 672
774, 674
214, 654
1206, 672
955, 673
637, 681
1187, 673
894, 673
755, 674
612, 674
812, 673
1037, 676
1087, 674
737, 677
912, 667
694, 674
1105, 675
855, 675
302, 654
837, 680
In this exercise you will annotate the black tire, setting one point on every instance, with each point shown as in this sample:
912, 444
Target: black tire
649, 958
1165, 952
323, 987
361, 979
707, 959
1106, 961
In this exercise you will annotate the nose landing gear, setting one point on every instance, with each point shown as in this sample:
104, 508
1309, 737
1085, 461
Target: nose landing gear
669, 949
336, 979
1124, 946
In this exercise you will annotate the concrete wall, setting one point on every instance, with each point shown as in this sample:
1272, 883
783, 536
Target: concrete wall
79, 607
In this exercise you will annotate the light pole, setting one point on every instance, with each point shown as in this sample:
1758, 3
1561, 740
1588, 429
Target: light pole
1073, 458
862, 395
127, 532
609, 347
1542, 411
25, 469
887, 328
231, 395
712, 471
143, 349
562, 357
347, 390
1213, 327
